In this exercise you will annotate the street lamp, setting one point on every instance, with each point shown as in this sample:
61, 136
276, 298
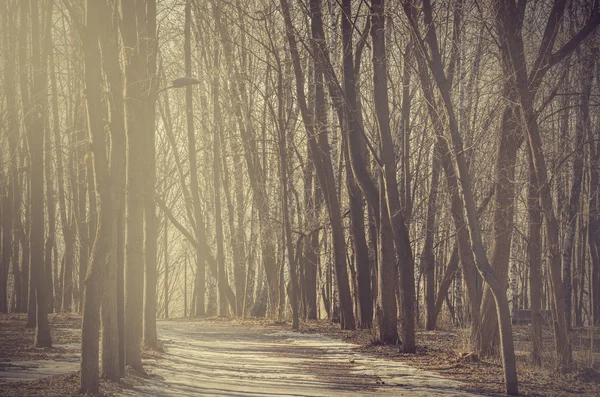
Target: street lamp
181, 82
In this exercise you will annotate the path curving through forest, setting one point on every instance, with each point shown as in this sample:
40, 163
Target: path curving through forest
213, 359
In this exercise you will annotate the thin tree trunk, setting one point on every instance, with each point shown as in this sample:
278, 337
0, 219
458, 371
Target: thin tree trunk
200, 256
10, 209
36, 147
166, 261
428, 257
217, 132
46, 42
534, 254
285, 183
149, 54
26, 108
570, 219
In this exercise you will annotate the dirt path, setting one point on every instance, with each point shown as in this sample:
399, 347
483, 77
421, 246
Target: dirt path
214, 359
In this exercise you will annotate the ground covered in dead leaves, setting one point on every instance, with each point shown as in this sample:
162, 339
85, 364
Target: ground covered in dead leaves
16, 346
446, 352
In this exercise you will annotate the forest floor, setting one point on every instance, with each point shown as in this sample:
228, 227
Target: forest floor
258, 357
50, 372
445, 351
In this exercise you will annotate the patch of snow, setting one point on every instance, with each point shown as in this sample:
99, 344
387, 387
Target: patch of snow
37, 369
208, 360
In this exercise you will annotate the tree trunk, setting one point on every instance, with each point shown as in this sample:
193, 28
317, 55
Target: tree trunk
149, 54
36, 148
285, 183
83, 224
428, 257
570, 217
534, 253
9, 206
189, 103
132, 35
112, 336
357, 223
166, 264
217, 132
102, 249
390, 185
593, 236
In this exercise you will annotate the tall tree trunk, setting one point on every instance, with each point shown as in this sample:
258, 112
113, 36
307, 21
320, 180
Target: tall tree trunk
236, 229
26, 108
149, 54
313, 201
390, 185
511, 139
322, 160
102, 250
36, 148
66, 228
166, 261
593, 237
10, 209
46, 41
570, 217
285, 184
84, 219
112, 327
217, 132
135, 77
428, 257
357, 223
189, 103
534, 253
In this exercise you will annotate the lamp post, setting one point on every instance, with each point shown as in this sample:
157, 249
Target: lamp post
181, 82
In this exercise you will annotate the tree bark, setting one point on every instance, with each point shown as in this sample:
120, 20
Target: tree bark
112, 327
428, 257
217, 132
189, 103
135, 76
35, 139
534, 253
11, 208
102, 249
570, 217
150, 48
364, 298
390, 185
